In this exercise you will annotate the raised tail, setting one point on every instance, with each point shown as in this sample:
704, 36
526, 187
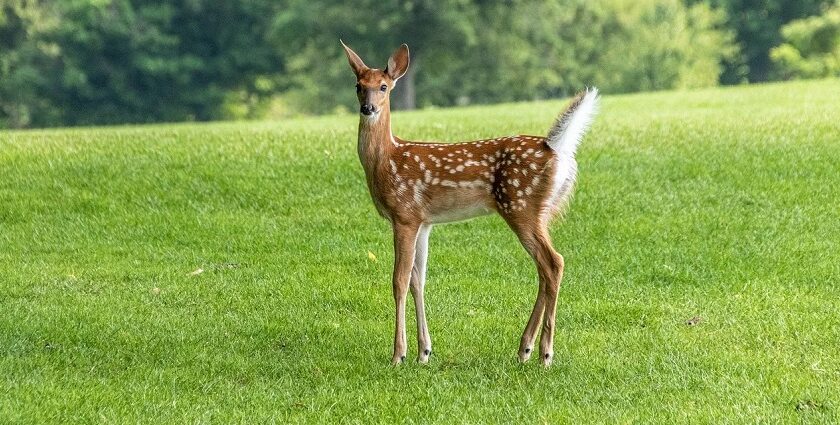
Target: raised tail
566, 133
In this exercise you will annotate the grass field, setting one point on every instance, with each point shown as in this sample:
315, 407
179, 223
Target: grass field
720, 204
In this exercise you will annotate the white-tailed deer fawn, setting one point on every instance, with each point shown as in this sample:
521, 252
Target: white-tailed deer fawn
526, 179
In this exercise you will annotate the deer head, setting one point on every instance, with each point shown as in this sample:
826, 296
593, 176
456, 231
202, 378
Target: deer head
373, 86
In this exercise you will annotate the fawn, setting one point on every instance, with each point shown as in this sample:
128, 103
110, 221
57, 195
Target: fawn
526, 179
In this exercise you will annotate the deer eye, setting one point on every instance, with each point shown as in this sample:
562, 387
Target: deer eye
358, 87
383, 87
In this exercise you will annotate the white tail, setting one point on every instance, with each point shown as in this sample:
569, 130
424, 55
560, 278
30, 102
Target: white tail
568, 131
416, 185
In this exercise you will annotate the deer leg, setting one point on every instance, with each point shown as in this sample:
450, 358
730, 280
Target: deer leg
551, 265
526, 343
417, 285
529, 336
405, 237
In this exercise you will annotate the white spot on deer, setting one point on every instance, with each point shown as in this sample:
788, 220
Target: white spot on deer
448, 183
459, 168
427, 176
393, 166
528, 190
531, 150
519, 193
406, 153
536, 181
418, 193
538, 154
532, 166
435, 180
525, 172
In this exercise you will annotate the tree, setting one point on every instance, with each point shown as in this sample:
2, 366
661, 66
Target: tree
116, 61
757, 25
811, 48
437, 32
24, 58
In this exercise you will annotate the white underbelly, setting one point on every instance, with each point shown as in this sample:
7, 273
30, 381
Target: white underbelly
462, 212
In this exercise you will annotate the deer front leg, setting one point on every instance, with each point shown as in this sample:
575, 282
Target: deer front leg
418, 283
405, 237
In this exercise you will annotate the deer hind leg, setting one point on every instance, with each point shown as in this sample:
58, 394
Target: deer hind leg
405, 237
417, 285
536, 241
550, 265
526, 343
527, 235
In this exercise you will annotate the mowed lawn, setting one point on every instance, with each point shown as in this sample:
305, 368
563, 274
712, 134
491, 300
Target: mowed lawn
219, 273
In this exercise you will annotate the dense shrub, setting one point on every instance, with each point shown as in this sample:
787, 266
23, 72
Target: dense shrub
811, 48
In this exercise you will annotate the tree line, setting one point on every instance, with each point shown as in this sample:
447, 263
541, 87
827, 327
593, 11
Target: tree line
91, 62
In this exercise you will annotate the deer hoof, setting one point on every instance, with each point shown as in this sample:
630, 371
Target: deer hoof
524, 355
423, 358
546, 359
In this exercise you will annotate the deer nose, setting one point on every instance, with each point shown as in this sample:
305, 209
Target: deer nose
367, 109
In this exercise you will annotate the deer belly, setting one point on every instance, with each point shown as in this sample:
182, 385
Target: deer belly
459, 206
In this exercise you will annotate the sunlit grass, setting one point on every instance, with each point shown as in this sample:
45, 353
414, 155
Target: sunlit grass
719, 204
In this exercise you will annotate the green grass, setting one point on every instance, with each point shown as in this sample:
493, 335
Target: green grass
720, 203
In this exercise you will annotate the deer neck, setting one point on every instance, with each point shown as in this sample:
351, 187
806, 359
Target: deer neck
376, 142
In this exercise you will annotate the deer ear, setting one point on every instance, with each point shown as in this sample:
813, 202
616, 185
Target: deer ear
398, 63
356, 62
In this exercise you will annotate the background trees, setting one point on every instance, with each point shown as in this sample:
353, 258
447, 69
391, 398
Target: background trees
79, 62
811, 48
87, 62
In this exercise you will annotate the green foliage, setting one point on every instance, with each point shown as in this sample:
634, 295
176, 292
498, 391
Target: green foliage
757, 25
662, 45
113, 61
23, 61
718, 204
81, 62
504, 51
811, 48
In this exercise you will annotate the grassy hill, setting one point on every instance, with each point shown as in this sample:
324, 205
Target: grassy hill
220, 272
